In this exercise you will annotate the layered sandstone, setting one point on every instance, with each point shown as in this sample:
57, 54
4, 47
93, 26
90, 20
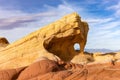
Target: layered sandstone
54, 41
37, 56
106, 57
51, 70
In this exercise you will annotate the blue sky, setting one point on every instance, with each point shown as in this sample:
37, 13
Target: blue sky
21, 17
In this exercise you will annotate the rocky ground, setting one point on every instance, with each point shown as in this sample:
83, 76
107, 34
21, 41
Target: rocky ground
51, 70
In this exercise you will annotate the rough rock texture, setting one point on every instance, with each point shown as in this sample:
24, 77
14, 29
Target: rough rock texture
106, 57
37, 56
51, 70
3, 42
54, 41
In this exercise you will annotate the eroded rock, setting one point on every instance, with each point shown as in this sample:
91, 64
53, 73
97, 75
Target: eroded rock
3, 42
54, 41
51, 70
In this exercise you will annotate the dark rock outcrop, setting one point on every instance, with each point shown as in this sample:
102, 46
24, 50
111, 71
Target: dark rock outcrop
3, 42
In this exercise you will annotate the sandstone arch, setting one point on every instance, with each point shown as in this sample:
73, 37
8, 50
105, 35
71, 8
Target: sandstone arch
53, 41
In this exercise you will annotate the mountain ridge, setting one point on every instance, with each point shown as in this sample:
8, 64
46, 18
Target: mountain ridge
103, 50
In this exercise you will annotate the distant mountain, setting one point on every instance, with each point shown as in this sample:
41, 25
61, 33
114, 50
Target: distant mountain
100, 50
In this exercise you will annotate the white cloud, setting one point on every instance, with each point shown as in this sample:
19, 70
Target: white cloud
101, 33
16, 33
6, 13
116, 8
98, 20
14, 22
16, 18
19, 22
106, 38
104, 33
110, 25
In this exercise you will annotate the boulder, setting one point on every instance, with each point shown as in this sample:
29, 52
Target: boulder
3, 42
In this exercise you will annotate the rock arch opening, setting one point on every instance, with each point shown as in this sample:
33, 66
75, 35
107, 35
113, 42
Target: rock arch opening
77, 47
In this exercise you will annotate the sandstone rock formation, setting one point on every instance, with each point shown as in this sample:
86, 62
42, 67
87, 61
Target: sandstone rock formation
3, 42
37, 56
54, 41
51, 70
101, 58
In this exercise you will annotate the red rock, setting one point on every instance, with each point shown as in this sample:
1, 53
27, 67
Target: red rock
10, 74
38, 68
51, 70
